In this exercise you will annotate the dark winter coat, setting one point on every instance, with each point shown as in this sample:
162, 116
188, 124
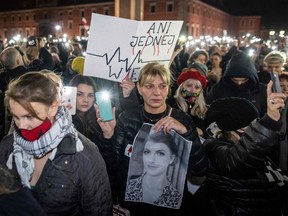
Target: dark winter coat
86, 123
74, 183
45, 61
237, 180
7, 75
21, 202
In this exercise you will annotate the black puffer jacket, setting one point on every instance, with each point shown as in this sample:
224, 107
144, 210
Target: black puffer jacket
128, 125
74, 183
237, 181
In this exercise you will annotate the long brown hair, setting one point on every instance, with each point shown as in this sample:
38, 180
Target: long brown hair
32, 87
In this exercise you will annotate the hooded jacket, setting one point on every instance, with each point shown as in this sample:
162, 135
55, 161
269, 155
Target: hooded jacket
241, 65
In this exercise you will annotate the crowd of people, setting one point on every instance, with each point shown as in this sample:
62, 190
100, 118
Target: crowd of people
221, 101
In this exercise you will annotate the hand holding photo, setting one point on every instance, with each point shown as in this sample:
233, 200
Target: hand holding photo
158, 168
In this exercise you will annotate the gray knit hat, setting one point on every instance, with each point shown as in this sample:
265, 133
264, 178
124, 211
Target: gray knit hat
200, 67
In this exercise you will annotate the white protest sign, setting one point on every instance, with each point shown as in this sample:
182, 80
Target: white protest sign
119, 47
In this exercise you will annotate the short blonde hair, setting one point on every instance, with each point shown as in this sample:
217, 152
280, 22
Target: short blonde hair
151, 70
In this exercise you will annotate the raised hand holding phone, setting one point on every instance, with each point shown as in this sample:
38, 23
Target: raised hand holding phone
276, 83
105, 114
103, 102
69, 98
275, 102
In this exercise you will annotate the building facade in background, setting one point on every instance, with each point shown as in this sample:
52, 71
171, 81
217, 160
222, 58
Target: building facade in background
72, 17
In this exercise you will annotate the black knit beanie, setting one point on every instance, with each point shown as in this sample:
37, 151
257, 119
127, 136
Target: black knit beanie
231, 113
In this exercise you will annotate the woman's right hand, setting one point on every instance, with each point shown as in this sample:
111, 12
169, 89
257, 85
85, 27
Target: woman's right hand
127, 86
275, 102
107, 127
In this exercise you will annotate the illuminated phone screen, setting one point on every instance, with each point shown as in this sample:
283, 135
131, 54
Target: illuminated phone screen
104, 104
69, 96
276, 83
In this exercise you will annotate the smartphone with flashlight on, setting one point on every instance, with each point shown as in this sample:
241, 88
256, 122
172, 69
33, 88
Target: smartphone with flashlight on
69, 98
104, 104
276, 83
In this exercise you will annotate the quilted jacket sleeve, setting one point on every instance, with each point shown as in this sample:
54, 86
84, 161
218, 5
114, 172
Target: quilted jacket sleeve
243, 158
96, 198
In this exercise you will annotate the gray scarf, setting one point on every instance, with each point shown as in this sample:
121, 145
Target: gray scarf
25, 151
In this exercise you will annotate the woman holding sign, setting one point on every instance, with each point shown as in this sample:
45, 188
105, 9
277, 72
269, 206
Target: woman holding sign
153, 86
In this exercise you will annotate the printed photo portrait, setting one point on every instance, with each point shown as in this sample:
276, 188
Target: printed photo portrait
158, 168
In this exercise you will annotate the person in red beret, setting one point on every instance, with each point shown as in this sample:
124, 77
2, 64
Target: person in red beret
189, 97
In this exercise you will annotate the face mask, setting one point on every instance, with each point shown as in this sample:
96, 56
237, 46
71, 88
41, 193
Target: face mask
36, 133
243, 86
188, 96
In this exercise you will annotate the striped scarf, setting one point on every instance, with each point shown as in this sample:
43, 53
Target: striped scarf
25, 151
274, 173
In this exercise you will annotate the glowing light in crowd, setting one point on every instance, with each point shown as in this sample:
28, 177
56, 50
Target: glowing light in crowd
271, 33
17, 38
57, 27
251, 52
182, 38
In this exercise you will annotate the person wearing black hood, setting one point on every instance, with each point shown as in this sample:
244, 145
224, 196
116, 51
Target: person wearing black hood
240, 80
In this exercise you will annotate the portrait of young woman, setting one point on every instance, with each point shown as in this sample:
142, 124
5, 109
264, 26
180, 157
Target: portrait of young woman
157, 169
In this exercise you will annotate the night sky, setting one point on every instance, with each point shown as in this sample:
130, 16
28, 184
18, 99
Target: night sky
274, 12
